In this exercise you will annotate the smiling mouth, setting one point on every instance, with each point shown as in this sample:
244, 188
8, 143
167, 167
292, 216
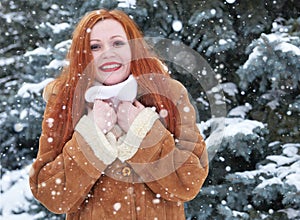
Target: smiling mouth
110, 67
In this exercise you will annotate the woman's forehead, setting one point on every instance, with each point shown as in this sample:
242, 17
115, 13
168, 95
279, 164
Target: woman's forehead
106, 29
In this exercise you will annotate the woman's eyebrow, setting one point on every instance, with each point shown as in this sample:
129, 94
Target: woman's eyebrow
112, 37
95, 40
116, 36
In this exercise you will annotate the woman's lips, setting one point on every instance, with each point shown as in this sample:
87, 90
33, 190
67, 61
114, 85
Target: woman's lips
110, 67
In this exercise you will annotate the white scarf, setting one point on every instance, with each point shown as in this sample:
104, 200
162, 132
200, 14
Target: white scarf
124, 91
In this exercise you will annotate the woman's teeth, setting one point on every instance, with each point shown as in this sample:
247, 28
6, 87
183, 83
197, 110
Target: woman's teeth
110, 66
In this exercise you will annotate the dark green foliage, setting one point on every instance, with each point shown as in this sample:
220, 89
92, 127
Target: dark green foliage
36, 207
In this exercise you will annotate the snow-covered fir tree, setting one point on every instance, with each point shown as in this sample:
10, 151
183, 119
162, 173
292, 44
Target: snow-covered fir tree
253, 48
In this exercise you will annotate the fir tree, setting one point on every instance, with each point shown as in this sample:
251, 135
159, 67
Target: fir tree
253, 48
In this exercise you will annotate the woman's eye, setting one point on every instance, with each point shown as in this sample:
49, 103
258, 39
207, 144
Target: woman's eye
118, 43
95, 46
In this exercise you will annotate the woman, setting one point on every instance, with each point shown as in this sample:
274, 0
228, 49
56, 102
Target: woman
119, 138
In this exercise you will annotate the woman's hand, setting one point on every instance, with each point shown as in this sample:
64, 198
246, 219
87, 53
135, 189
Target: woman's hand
127, 112
103, 115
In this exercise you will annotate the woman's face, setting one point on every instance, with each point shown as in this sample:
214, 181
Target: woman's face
111, 52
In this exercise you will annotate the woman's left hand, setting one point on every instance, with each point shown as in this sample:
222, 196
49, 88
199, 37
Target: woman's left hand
103, 115
127, 112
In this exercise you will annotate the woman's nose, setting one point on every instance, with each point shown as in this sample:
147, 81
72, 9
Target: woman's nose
108, 52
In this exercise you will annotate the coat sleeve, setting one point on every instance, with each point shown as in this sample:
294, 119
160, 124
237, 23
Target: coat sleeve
62, 180
173, 167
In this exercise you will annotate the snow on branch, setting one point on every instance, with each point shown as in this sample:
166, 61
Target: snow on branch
29, 88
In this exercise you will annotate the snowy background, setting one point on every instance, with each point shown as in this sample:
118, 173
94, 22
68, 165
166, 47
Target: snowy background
253, 48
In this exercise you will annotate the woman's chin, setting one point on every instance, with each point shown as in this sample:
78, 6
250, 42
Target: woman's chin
111, 82
114, 79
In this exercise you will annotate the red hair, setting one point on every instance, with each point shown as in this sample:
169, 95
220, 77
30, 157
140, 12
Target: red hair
68, 105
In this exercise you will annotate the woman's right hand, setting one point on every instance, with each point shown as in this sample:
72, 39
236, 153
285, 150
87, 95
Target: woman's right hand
103, 115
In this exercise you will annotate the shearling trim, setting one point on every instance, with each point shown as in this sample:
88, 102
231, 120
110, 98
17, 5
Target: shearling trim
126, 151
96, 140
136, 133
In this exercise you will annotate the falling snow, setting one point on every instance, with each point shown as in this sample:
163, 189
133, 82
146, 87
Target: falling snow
117, 206
207, 31
177, 25
230, 1
18, 127
163, 113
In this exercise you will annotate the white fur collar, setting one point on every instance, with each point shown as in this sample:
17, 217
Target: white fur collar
124, 91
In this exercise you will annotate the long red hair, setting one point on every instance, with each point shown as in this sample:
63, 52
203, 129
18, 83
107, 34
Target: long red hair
68, 105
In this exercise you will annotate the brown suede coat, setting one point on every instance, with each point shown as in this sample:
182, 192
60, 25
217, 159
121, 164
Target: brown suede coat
153, 184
